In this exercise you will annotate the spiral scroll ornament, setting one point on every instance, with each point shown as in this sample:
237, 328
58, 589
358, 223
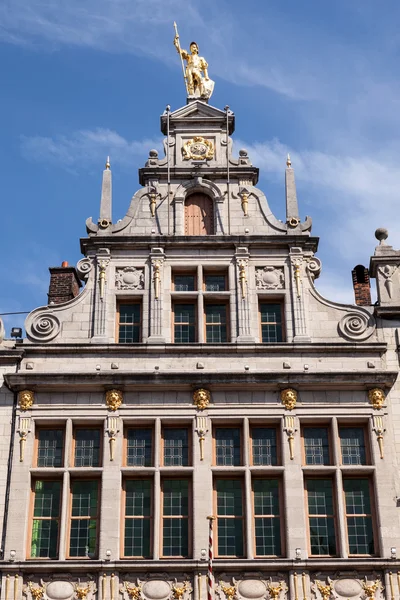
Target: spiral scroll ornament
44, 327
356, 326
83, 268
314, 267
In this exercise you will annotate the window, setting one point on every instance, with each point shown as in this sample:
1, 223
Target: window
129, 319
84, 517
46, 519
358, 516
216, 323
352, 445
267, 517
139, 447
215, 282
184, 323
138, 515
316, 445
264, 446
321, 517
230, 517
227, 446
87, 447
50, 443
271, 323
175, 517
184, 283
176, 447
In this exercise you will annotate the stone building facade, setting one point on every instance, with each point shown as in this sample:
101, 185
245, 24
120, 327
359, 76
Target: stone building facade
199, 373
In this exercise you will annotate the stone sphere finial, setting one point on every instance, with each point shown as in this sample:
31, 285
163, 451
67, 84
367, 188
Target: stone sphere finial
243, 152
153, 153
381, 234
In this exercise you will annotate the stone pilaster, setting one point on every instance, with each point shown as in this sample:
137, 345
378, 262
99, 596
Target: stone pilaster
100, 296
243, 296
157, 258
300, 322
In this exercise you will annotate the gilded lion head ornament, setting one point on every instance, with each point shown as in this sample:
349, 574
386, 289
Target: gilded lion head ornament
289, 398
377, 397
25, 399
114, 399
201, 398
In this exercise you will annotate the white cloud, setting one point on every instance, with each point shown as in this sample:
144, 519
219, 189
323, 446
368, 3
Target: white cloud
85, 148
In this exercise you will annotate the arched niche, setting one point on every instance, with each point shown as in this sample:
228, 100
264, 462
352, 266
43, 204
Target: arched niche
199, 214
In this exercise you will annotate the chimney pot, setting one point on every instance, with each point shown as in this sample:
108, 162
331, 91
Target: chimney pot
64, 263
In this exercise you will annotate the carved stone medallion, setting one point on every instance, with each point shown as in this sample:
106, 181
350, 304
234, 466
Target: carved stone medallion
129, 278
270, 278
198, 148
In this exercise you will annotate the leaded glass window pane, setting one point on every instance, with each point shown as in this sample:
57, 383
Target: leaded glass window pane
139, 448
129, 323
230, 517
87, 448
216, 330
264, 446
50, 447
175, 517
321, 517
267, 517
83, 534
359, 517
184, 323
176, 447
227, 446
46, 515
352, 445
316, 445
137, 518
215, 283
271, 323
184, 283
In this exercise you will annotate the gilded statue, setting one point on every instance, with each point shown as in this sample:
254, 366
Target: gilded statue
114, 399
377, 397
289, 398
201, 398
197, 81
25, 399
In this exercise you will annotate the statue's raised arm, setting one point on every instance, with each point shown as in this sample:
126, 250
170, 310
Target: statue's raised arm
198, 83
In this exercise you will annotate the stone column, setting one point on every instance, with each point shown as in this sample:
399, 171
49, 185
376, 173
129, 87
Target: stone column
100, 296
157, 258
242, 291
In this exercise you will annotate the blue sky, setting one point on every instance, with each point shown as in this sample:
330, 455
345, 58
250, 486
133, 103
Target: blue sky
86, 78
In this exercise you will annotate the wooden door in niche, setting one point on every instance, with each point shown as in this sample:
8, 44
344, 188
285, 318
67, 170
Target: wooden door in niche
199, 215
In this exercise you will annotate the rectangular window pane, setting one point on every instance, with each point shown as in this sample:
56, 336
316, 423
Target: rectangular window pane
359, 517
87, 448
215, 283
184, 283
227, 446
175, 517
267, 517
176, 447
230, 517
184, 323
271, 323
321, 517
264, 445
316, 445
50, 447
83, 533
216, 331
45, 524
139, 448
352, 445
129, 323
137, 518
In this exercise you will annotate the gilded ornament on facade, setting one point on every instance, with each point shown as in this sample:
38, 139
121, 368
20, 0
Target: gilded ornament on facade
289, 398
25, 399
198, 148
37, 591
134, 591
371, 589
179, 591
114, 399
377, 397
197, 81
201, 398
229, 591
325, 590
275, 590
81, 592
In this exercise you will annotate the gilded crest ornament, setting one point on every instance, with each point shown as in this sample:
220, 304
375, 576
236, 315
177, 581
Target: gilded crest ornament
229, 590
178, 592
198, 148
289, 398
134, 591
25, 399
201, 398
377, 397
114, 399
37, 591
325, 590
371, 589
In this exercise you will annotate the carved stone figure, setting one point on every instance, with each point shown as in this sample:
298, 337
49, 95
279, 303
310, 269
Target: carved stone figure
270, 278
25, 399
114, 399
201, 398
129, 278
289, 398
377, 397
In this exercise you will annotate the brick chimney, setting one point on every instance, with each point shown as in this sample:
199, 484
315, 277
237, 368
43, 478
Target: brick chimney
64, 284
361, 285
